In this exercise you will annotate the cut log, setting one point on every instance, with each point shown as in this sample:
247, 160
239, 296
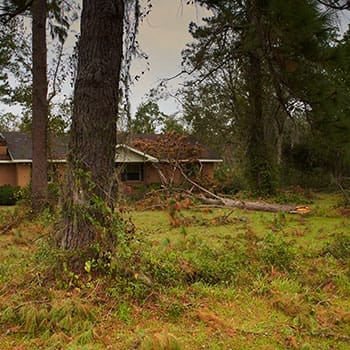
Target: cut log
257, 206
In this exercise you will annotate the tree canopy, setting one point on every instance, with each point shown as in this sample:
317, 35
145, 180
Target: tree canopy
259, 66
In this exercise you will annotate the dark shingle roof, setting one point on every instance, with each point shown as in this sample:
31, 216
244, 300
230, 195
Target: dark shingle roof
20, 145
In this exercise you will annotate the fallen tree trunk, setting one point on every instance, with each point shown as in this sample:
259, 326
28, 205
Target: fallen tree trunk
257, 206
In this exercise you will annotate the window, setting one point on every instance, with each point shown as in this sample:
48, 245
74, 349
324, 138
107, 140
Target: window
133, 172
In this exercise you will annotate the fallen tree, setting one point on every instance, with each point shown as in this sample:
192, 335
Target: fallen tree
232, 203
257, 206
176, 153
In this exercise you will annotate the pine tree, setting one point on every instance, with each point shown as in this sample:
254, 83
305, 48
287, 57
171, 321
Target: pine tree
278, 48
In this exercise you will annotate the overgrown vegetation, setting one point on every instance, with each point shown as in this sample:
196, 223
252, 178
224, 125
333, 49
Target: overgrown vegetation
9, 195
227, 279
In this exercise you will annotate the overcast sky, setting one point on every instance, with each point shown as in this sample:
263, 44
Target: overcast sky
163, 35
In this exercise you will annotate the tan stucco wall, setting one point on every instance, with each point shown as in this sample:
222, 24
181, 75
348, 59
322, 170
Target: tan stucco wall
151, 175
8, 174
20, 174
23, 174
3, 149
208, 170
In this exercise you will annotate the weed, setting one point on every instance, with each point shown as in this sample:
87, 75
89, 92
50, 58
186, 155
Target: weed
175, 310
274, 251
340, 247
70, 316
294, 195
231, 286
160, 341
124, 312
164, 268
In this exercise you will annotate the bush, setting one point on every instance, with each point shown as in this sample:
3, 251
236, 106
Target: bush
340, 247
275, 252
9, 195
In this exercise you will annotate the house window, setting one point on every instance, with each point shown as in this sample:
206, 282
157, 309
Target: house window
133, 172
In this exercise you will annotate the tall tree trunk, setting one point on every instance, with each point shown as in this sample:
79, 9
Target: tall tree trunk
91, 160
259, 165
39, 105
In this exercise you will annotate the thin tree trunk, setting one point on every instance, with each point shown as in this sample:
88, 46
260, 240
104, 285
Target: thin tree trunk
39, 105
91, 160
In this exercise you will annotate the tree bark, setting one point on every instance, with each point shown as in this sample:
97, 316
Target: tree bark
91, 158
39, 105
259, 164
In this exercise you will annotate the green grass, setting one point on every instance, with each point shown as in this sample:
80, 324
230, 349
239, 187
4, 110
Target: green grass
258, 281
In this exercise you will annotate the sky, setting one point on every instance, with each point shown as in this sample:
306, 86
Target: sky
163, 35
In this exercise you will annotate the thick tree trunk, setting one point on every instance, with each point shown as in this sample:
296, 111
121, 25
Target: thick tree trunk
91, 167
259, 167
39, 105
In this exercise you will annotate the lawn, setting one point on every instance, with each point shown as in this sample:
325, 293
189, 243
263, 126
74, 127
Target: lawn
225, 279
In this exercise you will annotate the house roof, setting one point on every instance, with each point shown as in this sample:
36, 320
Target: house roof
143, 142
127, 154
20, 146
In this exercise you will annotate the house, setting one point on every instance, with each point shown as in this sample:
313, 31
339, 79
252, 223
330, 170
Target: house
141, 159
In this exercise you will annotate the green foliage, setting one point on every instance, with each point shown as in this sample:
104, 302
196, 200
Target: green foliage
276, 252
164, 269
160, 342
172, 124
294, 195
340, 247
154, 187
148, 116
16, 60
296, 91
213, 284
175, 310
261, 175
9, 195
229, 180
213, 266
124, 312
8, 121
70, 316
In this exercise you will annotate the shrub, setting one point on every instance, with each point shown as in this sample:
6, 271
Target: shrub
275, 252
294, 195
9, 195
340, 247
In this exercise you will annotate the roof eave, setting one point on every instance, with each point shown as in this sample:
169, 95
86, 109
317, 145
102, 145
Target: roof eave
148, 157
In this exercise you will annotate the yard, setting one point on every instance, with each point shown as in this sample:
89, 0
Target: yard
222, 280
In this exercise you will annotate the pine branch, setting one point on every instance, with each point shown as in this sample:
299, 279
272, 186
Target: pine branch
7, 16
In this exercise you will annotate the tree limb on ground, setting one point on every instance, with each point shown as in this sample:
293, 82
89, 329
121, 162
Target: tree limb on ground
257, 206
231, 203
